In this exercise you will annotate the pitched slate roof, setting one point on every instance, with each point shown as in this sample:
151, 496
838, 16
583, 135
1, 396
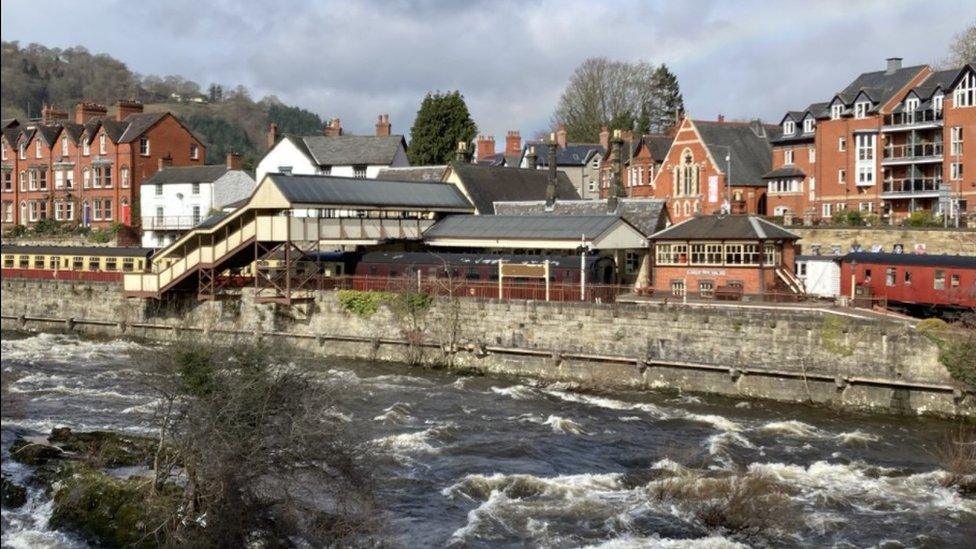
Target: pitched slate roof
785, 171
648, 215
522, 227
659, 145
413, 173
346, 150
573, 154
489, 184
751, 153
326, 190
136, 124
497, 159
880, 86
187, 174
725, 227
935, 260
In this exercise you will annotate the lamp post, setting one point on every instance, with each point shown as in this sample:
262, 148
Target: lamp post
853, 279
582, 249
728, 176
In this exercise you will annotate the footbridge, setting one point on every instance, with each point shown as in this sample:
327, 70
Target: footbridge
288, 217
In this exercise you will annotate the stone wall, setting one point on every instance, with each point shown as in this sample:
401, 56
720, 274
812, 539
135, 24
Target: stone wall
936, 241
790, 354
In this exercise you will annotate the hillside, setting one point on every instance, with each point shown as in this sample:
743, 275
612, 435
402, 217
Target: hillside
229, 120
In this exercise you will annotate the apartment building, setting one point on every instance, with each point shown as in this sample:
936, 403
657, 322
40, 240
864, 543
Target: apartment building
890, 143
87, 169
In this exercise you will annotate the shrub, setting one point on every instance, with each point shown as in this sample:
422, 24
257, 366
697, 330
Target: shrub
957, 454
922, 218
851, 218
957, 348
362, 304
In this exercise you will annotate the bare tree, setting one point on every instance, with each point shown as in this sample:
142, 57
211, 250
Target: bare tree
962, 49
618, 94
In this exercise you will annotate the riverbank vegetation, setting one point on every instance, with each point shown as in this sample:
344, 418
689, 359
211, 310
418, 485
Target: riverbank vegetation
246, 452
957, 346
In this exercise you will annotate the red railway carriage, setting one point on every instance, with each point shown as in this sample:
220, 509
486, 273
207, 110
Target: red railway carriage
914, 282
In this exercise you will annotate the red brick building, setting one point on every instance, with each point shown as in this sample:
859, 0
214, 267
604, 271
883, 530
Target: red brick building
707, 255
87, 169
889, 144
710, 163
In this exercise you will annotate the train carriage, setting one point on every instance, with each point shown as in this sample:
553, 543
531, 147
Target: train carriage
95, 263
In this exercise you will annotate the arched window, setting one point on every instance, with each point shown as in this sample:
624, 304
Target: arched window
688, 175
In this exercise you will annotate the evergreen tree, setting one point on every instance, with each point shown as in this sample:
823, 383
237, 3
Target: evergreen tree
442, 121
666, 102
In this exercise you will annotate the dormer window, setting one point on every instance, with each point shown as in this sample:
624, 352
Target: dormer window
808, 125
789, 127
836, 111
911, 104
937, 102
102, 148
64, 146
861, 109
965, 94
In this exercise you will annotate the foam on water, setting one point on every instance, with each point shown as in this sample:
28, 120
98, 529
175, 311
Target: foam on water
396, 414
65, 349
856, 437
633, 542
792, 428
518, 392
564, 426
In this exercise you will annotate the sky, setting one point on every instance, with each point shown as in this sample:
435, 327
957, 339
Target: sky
511, 60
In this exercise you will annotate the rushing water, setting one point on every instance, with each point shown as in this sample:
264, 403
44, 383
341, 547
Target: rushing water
485, 462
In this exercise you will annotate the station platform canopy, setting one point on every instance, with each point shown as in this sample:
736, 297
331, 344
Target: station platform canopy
549, 232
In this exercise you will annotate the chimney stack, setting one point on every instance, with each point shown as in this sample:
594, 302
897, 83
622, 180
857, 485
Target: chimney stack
234, 161
462, 152
383, 125
272, 135
721, 118
165, 161
605, 139
513, 143
531, 158
486, 146
616, 188
85, 111
551, 164
51, 114
561, 136
125, 108
333, 128
893, 65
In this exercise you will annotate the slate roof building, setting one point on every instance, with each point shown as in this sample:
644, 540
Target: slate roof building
485, 185
87, 169
413, 173
579, 161
176, 199
334, 153
713, 163
888, 144
711, 255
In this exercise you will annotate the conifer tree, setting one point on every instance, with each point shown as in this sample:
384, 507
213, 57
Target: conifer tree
666, 103
442, 121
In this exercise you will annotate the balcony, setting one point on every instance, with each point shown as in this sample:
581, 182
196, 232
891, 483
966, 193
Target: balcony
912, 120
917, 187
912, 153
170, 223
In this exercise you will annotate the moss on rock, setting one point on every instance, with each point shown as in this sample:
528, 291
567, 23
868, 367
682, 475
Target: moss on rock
104, 448
12, 495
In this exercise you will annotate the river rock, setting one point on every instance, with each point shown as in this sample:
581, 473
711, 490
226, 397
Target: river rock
35, 451
105, 448
12, 495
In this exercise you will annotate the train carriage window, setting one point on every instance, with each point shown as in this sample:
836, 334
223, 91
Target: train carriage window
24, 262
8, 261
111, 264
890, 276
39, 261
939, 282
94, 263
128, 264
908, 278
77, 263
867, 276
954, 281
54, 263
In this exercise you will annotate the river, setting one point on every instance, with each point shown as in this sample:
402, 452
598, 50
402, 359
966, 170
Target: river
489, 462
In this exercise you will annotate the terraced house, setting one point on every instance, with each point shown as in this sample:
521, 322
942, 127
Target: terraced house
890, 143
87, 169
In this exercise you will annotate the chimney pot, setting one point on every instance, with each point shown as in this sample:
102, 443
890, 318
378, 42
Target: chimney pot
272, 135
233, 161
383, 125
126, 107
893, 65
561, 136
721, 118
513, 143
485, 146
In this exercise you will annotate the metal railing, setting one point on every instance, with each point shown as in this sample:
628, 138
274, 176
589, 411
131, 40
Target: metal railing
908, 118
911, 185
170, 222
913, 150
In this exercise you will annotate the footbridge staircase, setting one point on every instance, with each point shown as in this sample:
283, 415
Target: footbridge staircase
282, 220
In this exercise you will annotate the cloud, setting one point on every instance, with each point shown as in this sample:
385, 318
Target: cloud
510, 59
